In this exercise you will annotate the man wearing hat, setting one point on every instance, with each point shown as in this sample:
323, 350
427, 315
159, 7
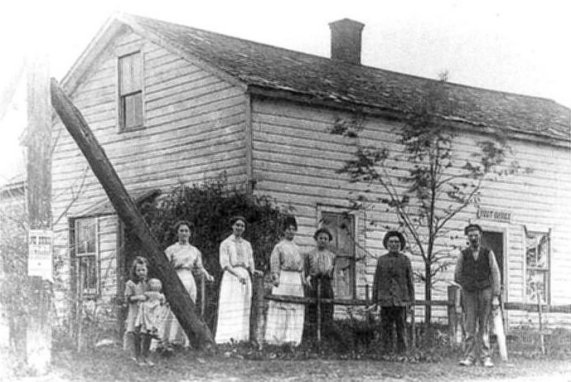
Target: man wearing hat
478, 274
393, 289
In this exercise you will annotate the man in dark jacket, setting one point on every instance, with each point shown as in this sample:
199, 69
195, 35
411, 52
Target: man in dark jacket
393, 289
478, 274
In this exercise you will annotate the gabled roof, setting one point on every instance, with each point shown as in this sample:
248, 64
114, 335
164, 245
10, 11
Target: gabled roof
318, 78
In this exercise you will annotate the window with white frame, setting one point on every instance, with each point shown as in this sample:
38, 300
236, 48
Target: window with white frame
86, 256
537, 263
130, 91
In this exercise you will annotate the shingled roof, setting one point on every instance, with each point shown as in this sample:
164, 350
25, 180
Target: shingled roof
350, 85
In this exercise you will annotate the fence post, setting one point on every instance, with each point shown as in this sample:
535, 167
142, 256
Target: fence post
412, 326
453, 317
319, 309
539, 312
79, 311
202, 295
258, 321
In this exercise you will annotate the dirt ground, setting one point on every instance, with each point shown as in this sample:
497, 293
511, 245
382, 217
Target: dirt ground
113, 365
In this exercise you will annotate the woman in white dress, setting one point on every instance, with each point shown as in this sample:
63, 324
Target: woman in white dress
184, 258
235, 300
285, 320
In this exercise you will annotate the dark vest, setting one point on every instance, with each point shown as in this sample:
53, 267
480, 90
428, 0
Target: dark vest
476, 274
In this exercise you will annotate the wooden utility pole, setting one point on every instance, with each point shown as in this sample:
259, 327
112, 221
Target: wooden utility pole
181, 304
38, 198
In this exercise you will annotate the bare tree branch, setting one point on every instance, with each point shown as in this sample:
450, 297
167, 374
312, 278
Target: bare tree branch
75, 194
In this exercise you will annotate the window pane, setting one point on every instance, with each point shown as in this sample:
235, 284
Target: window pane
537, 265
88, 273
132, 111
85, 236
341, 227
531, 250
537, 250
536, 283
130, 73
542, 252
329, 221
346, 243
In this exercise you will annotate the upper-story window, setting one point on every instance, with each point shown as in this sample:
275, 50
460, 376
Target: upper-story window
130, 91
537, 259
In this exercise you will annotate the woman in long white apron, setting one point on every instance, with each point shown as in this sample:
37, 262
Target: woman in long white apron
235, 300
285, 320
184, 258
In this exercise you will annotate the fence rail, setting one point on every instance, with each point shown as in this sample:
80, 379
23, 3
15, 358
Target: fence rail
534, 307
453, 304
348, 302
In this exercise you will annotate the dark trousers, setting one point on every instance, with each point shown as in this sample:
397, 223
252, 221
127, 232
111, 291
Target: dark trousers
393, 316
477, 306
139, 344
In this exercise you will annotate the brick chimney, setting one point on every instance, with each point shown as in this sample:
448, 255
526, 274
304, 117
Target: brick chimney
346, 40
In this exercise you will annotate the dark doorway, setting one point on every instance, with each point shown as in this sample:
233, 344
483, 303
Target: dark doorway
495, 241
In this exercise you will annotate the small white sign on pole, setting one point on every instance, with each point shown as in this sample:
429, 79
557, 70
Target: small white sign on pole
40, 249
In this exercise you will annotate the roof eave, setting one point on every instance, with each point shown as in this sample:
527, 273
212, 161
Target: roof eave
398, 115
106, 33
181, 52
114, 26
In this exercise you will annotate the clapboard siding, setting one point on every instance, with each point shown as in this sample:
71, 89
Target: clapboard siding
194, 129
295, 160
107, 243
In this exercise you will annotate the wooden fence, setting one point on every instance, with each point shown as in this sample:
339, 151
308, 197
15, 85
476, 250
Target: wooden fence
453, 304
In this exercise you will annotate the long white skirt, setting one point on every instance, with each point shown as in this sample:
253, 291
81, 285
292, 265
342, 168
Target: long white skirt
170, 331
285, 320
234, 304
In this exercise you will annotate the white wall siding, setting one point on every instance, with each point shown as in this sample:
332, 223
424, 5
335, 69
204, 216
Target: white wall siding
295, 160
193, 130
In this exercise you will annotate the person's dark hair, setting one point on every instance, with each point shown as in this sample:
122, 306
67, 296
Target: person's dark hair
235, 218
471, 227
139, 260
289, 221
322, 230
177, 225
390, 234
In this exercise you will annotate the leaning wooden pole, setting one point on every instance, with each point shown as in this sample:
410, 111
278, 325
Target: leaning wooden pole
181, 305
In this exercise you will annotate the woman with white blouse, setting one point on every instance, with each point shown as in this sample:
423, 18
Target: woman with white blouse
235, 300
285, 320
184, 258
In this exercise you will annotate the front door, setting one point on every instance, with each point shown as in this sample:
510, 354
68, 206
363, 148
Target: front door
495, 242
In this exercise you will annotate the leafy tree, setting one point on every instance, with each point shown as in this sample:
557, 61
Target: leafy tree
14, 286
423, 178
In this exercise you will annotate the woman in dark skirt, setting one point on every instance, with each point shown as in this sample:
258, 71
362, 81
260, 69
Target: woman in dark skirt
319, 267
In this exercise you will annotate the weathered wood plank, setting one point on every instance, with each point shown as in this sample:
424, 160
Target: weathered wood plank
223, 119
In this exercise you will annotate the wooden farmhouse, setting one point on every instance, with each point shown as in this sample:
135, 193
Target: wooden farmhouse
171, 104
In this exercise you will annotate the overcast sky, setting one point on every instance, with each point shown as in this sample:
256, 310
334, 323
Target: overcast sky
514, 46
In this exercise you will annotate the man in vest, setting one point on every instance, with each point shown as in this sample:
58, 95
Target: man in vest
478, 274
